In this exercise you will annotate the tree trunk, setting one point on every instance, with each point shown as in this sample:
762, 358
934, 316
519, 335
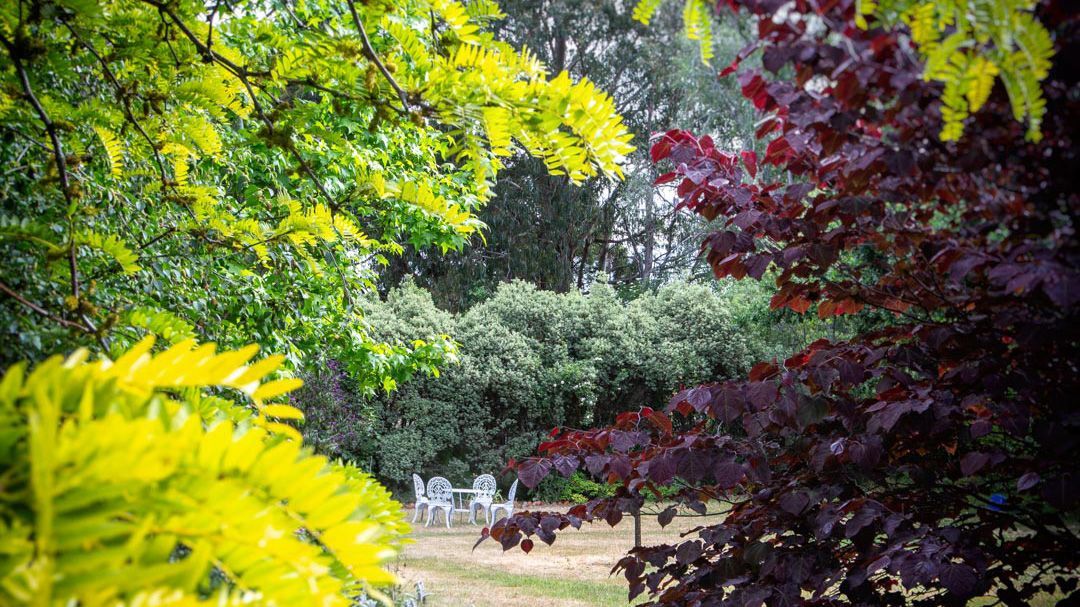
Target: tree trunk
650, 238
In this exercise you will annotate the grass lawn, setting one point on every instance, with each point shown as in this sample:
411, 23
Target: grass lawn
573, 572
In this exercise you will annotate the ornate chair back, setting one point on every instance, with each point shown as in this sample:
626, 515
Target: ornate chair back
418, 486
484, 485
440, 490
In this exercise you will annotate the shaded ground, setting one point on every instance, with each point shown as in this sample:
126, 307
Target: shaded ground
574, 572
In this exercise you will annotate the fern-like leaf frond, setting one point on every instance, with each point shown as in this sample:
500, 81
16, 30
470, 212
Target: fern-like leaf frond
114, 150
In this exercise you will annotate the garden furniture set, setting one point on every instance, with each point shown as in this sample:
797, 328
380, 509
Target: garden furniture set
441, 496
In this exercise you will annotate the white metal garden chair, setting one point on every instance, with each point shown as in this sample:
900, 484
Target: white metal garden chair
440, 496
484, 486
507, 506
421, 501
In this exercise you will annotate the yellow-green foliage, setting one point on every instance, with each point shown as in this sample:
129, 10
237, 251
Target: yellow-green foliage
697, 19
967, 45
125, 483
495, 95
220, 158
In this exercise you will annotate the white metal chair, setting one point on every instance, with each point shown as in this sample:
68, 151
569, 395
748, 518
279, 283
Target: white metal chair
508, 505
484, 485
440, 496
421, 501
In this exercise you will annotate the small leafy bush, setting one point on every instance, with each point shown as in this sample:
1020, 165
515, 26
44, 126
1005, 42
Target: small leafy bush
580, 488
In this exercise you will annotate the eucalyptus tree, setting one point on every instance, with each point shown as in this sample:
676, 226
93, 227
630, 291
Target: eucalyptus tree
545, 230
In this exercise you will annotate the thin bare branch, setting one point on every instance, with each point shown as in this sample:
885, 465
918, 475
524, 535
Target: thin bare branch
40, 310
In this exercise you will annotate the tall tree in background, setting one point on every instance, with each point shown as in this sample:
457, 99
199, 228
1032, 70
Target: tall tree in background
544, 230
931, 461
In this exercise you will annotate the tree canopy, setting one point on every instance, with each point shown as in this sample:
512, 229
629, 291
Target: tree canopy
929, 460
561, 237
240, 171
527, 358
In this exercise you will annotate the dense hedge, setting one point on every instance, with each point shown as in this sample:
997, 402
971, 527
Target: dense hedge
530, 360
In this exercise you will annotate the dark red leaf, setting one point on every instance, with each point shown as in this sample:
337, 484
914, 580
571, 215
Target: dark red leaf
959, 579
566, 465
613, 516
728, 474
762, 393
1027, 481
660, 149
661, 421
731, 67
973, 462
763, 370
665, 517
749, 158
688, 552
662, 469
532, 471
794, 503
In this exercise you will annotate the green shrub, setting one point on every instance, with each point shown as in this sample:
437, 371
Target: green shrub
530, 360
580, 488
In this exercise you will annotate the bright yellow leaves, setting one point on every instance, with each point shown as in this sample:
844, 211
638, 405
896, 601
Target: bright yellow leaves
697, 21
967, 45
697, 18
113, 150
497, 100
645, 9
117, 494
112, 246
421, 195
457, 19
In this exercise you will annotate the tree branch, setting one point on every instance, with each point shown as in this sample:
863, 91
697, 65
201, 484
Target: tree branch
42, 311
369, 52
57, 149
124, 102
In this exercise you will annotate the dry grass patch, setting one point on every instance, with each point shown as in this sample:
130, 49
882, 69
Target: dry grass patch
573, 572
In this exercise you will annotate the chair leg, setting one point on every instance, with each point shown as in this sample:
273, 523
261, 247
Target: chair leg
449, 513
430, 514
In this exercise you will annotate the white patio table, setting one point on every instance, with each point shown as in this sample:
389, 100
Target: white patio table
461, 506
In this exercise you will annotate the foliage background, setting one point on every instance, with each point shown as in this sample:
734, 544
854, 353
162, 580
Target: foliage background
243, 171
530, 360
